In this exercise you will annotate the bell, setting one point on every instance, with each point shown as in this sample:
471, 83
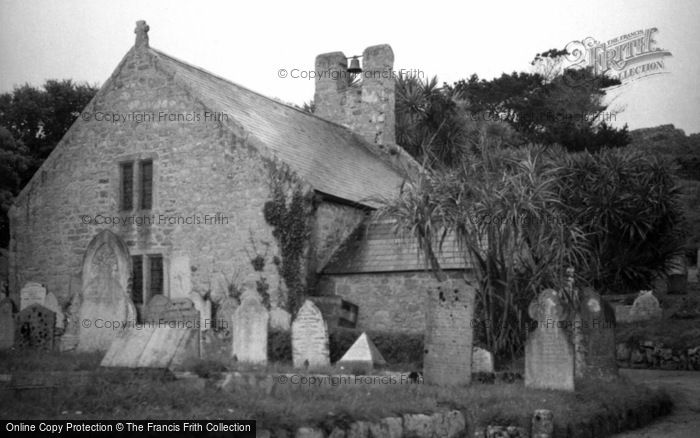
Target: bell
355, 66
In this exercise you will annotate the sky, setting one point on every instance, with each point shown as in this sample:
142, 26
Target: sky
248, 43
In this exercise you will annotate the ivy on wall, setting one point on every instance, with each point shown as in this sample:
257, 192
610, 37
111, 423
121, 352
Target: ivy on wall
288, 212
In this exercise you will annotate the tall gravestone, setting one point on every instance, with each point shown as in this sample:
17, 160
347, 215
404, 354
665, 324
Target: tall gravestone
31, 293
594, 329
202, 305
34, 327
51, 303
482, 361
7, 324
249, 330
549, 355
448, 338
310, 338
105, 274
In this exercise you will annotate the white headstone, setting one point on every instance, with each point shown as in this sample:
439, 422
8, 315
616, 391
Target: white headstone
31, 293
204, 308
482, 361
51, 303
363, 351
180, 272
645, 307
250, 331
310, 338
280, 319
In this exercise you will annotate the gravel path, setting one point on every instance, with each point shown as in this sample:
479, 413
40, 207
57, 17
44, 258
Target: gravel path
684, 388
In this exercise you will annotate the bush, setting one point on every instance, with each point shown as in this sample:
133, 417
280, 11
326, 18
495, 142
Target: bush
628, 204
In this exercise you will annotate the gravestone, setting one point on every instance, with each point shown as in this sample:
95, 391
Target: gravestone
448, 337
34, 327
482, 361
163, 311
280, 319
249, 330
51, 303
31, 293
106, 272
645, 307
225, 312
69, 339
549, 355
310, 338
7, 324
203, 306
152, 347
594, 328
363, 352
219, 287
180, 273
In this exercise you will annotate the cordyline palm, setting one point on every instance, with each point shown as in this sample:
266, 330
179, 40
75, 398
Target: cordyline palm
502, 206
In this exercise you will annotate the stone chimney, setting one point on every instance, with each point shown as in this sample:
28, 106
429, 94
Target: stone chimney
368, 108
141, 32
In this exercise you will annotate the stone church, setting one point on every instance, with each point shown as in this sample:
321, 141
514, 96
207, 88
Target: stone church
169, 166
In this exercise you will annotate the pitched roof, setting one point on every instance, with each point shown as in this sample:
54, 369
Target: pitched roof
330, 157
376, 248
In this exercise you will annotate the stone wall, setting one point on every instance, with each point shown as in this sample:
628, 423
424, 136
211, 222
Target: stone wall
388, 301
209, 188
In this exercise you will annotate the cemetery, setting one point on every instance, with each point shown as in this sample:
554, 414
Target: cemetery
360, 289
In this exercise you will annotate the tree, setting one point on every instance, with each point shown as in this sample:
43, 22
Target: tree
550, 106
40, 117
32, 122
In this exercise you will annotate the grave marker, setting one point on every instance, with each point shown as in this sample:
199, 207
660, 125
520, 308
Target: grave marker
34, 327
310, 338
549, 355
363, 352
31, 293
249, 330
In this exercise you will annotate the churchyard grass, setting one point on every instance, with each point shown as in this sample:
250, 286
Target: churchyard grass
128, 395
37, 360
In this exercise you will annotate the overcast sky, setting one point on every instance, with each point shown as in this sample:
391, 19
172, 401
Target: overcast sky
250, 42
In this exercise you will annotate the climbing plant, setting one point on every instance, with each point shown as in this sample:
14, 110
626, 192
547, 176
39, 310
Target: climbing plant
288, 212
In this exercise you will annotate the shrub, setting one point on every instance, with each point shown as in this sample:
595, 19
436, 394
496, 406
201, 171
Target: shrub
628, 205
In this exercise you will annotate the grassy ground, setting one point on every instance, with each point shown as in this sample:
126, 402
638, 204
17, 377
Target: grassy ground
30, 360
133, 396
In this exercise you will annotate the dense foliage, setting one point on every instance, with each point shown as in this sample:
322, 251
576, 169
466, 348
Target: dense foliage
32, 122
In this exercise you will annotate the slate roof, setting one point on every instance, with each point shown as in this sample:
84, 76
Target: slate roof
330, 157
376, 248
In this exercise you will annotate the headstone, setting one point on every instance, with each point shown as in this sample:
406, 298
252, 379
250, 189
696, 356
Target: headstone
249, 330
106, 272
51, 303
204, 307
482, 361
594, 327
645, 307
448, 337
225, 312
7, 324
34, 327
162, 310
180, 272
153, 347
310, 338
71, 335
156, 308
363, 352
31, 293
280, 319
549, 355
218, 285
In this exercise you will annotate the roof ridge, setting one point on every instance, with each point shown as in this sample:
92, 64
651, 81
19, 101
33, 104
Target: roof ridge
271, 99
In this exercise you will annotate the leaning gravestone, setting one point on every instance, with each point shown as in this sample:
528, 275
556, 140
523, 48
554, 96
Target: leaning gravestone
482, 361
549, 355
250, 330
594, 328
310, 338
105, 274
31, 293
34, 327
448, 336
203, 306
7, 324
645, 307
